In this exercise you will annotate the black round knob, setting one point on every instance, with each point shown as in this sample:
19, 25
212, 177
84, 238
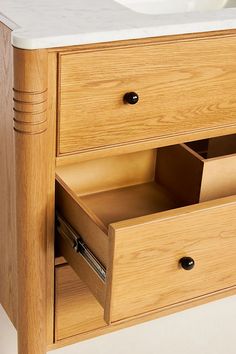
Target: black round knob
131, 98
187, 263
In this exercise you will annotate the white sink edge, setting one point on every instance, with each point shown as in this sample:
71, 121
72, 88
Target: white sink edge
162, 7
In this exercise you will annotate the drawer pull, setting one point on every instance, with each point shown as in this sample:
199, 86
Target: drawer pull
187, 263
78, 245
131, 98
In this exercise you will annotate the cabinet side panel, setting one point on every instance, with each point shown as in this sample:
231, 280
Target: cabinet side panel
8, 287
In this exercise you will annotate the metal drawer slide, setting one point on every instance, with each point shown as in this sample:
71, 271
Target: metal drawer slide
79, 246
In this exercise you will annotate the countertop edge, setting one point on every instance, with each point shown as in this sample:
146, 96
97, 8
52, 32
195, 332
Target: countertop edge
7, 22
19, 41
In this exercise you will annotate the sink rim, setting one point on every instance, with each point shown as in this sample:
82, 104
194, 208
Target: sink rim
163, 7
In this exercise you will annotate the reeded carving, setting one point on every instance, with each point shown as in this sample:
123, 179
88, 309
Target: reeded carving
30, 111
30, 91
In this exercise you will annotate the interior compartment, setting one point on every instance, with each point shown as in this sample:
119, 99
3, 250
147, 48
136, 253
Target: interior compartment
199, 171
214, 147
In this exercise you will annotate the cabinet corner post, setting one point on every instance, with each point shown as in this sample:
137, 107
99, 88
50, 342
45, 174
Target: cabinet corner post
30, 128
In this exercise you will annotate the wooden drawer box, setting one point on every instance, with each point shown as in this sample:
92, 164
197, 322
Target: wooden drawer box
195, 91
199, 171
140, 234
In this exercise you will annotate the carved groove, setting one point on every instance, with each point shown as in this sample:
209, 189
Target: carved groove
18, 101
34, 123
29, 92
29, 133
30, 112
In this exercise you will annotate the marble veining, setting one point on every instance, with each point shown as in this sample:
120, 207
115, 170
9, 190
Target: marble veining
56, 23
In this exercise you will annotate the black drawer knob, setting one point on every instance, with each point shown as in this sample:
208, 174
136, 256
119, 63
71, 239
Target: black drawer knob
187, 263
131, 98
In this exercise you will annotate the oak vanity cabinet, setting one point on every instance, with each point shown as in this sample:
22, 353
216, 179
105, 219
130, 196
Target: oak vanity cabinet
122, 194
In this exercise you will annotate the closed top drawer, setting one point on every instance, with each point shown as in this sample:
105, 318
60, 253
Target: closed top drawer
138, 246
183, 87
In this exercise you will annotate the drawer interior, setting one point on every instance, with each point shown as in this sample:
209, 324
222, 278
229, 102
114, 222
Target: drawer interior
128, 186
120, 188
128, 208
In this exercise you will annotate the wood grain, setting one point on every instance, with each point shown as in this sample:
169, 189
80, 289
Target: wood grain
84, 271
194, 176
32, 176
219, 172
143, 252
180, 170
109, 173
80, 317
84, 221
147, 251
76, 309
130, 202
141, 145
191, 93
50, 163
8, 268
219, 178
104, 151
123, 188
197, 114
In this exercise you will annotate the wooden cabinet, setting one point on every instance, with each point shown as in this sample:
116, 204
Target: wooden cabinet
115, 189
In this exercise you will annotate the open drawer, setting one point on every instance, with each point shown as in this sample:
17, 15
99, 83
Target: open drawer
137, 245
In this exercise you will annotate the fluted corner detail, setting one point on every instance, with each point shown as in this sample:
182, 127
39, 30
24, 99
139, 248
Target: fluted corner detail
30, 111
30, 91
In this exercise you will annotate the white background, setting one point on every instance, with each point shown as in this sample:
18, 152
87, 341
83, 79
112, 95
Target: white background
207, 329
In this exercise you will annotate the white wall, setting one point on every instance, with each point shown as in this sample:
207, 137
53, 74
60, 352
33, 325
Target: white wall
207, 329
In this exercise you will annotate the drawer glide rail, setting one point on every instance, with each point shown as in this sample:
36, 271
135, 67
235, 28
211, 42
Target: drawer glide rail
79, 246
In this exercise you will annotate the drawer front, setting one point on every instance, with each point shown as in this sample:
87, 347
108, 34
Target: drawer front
182, 86
145, 273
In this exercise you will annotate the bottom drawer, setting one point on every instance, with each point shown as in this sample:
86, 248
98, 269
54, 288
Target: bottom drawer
78, 316
76, 309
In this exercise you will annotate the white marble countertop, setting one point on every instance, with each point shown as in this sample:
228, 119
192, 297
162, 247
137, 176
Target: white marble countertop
56, 23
